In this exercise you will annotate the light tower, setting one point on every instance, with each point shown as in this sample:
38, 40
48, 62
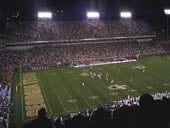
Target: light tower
93, 15
44, 15
126, 15
167, 12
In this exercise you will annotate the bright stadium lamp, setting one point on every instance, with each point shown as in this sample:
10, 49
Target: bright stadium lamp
44, 15
93, 15
167, 12
125, 14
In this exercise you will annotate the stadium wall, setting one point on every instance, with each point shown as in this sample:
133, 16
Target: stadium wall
31, 44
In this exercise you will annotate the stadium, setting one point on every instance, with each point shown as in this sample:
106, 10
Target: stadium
90, 73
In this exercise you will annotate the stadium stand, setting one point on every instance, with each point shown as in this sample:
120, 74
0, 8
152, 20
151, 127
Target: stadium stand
28, 31
5, 103
53, 56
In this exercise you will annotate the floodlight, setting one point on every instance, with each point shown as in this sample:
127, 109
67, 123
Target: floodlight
45, 15
167, 11
93, 15
125, 14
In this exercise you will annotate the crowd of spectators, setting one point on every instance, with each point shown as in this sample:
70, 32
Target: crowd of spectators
50, 55
70, 55
142, 112
26, 31
5, 103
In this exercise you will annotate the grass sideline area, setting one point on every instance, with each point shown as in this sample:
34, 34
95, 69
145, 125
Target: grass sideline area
67, 90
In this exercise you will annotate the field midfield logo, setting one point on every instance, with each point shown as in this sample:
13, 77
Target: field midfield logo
117, 87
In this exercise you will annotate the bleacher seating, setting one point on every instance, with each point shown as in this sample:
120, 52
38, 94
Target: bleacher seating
51, 30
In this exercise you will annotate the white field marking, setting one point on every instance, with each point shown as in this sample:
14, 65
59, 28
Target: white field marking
132, 90
102, 92
22, 100
84, 74
58, 97
29, 80
93, 97
91, 94
140, 67
166, 84
150, 87
39, 81
71, 98
82, 97
117, 87
113, 93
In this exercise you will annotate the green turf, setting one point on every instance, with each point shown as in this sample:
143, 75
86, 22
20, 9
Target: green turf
60, 85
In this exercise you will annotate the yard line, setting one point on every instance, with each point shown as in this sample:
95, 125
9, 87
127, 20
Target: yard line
82, 97
57, 95
70, 96
22, 100
91, 94
41, 86
102, 92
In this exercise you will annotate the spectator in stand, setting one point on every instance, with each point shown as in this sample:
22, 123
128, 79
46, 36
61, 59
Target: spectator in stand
5, 99
41, 122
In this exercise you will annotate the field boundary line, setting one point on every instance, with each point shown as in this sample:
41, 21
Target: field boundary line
22, 100
44, 95
21, 86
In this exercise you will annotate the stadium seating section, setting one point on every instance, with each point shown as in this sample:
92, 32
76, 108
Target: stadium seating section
51, 30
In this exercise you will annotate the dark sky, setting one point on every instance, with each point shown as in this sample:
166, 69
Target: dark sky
77, 8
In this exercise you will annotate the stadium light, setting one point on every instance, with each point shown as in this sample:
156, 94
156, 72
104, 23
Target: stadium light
167, 12
93, 15
44, 15
125, 14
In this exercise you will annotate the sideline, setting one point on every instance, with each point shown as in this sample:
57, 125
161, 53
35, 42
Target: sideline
104, 63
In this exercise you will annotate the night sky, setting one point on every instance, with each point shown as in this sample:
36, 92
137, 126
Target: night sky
76, 9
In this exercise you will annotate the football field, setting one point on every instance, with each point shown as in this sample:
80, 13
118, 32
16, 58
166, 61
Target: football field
66, 90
